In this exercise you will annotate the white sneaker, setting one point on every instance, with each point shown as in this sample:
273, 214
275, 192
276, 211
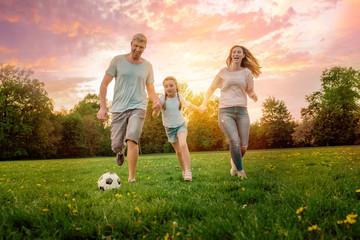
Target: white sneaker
233, 170
242, 174
188, 176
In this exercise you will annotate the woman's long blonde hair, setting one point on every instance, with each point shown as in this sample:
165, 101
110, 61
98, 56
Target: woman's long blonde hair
249, 61
177, 91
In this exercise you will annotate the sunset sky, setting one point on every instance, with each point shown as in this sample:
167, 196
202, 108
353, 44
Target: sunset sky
69, 44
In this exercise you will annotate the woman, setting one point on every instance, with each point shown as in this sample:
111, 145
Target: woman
235, 82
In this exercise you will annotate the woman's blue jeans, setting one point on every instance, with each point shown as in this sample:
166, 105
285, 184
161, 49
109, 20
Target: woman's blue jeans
235, 123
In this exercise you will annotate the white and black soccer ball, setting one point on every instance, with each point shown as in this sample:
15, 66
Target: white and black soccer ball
109, 181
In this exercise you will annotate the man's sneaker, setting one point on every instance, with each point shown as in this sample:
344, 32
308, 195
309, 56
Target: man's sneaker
233, 170
188, 176
242, 174
120, 159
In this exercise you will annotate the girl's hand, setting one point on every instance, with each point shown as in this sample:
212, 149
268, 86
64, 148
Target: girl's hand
155, 114
202, 108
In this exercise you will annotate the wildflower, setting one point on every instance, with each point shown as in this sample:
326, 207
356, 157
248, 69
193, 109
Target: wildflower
167, 236
243, 189
46, 210
78, 229
75, 211
38, 185
358, 191
137, 210
300, 210
351, 218
118, 195
313, 228
175, 224
69, 205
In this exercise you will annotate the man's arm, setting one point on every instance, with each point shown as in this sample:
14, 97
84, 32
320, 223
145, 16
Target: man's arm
153, 96
102, 114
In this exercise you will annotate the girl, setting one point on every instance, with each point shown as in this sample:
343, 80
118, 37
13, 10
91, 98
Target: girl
174, 123
235, 82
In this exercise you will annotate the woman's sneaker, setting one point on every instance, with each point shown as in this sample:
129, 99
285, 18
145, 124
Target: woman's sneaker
188, 176
242, 174
233, 170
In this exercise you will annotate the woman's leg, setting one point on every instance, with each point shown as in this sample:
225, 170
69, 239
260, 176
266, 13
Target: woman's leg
228, 125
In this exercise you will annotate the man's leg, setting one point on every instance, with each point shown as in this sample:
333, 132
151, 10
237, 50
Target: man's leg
132, 157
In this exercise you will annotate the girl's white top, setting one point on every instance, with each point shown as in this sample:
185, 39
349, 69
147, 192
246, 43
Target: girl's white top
234, 86
172, 117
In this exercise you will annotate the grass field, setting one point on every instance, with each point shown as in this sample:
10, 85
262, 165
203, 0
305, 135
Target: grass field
302, 193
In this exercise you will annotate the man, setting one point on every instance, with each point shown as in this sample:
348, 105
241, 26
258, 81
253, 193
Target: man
133, 74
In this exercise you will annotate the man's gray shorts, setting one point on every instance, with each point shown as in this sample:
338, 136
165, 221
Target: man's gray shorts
126, 126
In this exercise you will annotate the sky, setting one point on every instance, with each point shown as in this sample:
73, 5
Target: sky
69, 44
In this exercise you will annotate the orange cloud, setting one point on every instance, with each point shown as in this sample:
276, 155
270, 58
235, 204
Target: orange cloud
5, 50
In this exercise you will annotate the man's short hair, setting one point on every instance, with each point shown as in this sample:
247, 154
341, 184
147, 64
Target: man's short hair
139, 37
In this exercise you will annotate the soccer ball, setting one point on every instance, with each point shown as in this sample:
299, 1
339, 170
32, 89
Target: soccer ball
109, 181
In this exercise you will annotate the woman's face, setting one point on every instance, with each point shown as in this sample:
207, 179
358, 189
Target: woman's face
170, 88
237, 55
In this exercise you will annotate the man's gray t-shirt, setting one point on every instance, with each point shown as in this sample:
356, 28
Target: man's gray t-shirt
130, 83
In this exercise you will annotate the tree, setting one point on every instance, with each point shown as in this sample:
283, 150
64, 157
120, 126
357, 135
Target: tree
335, 108
257, 138
97, 133
303, 133
277, 123
25, 111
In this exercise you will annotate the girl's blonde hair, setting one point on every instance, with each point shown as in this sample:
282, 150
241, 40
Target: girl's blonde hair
171, 78
249, 61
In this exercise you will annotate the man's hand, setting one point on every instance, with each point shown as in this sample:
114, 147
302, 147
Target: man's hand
102, 114
156, 105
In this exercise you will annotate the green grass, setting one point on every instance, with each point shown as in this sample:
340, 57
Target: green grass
59, 199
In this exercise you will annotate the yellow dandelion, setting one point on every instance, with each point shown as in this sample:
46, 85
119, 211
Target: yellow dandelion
78, 229
75, 211
45, 210
300, 210
69, 205
137, 210
340, 222
38, 185
167, 236
313, 228
357, 190
178, 234
243, 189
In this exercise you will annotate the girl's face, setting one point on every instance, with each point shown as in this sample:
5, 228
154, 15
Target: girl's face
170, 88
237, 55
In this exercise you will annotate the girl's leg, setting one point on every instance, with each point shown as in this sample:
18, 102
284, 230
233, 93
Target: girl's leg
182, 151
179, 155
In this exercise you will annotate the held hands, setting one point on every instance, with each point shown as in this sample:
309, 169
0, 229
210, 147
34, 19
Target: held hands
102, 114
156, 105
202, 108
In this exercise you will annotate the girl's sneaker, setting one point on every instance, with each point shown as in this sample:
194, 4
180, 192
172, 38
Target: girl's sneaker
242, 174
188, 176
233, 170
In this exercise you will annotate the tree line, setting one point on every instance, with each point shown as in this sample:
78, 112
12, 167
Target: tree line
31, 129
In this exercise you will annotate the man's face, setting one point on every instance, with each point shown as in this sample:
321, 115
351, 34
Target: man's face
137, 48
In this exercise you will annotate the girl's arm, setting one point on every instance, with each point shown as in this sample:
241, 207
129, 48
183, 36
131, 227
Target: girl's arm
193, 107
252, 95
